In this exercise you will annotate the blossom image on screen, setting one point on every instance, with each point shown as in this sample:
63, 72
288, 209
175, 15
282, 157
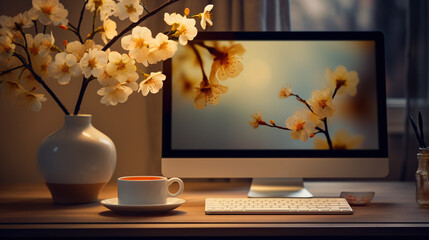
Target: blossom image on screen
278, 95
224, 61
313, 119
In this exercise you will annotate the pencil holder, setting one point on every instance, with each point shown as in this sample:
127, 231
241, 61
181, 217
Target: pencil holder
422, 178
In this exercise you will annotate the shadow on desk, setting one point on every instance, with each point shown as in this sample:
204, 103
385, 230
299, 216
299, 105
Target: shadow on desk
42, 205
137, 216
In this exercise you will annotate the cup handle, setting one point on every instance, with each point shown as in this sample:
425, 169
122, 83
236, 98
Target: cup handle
181, 186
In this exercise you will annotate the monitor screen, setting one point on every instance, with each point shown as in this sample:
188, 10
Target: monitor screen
276, 95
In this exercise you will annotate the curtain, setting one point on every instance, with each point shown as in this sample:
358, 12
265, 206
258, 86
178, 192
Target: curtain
417, 81
240, 15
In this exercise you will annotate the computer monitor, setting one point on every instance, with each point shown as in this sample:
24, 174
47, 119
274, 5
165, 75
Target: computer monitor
276, 107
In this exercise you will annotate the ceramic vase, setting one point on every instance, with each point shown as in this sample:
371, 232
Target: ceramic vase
76, 161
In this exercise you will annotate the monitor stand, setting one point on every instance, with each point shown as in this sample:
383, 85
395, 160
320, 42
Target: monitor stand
278, 187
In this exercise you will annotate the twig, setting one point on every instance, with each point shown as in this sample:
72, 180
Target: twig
76, 33
72, 26
419, 139
144, 7
274, 126
10, 70
80, 20
303, 101
326, 132
422, 134
93, 34
44, 29
200, 61
93, 21
26, 43
40, 80
85, 82
213, 51
35, 26
335, 92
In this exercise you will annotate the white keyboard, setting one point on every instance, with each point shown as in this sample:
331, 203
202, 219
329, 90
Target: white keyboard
292, 206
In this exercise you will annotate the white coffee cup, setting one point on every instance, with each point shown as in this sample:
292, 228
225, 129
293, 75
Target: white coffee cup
146, 190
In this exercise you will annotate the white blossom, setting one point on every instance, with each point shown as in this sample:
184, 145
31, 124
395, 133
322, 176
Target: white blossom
129, 9
206, 16
6, 48
321, 103
132, 81
300, 125
184, 27
285, 92
32, 100
48, 12
114, 94
138, 44
93, 62
64, 68
152, 83
256, 120
109, 30
78, 49
21, 19
120, 66
40, 65
41, 44
161, 48
104, 7
105, 79
11, 89
342, 81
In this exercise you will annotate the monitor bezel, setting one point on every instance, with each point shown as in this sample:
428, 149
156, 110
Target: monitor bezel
381, 152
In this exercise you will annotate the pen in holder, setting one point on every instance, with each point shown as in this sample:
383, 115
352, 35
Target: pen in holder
422, 173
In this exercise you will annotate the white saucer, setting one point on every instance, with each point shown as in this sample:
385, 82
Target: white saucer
113, 205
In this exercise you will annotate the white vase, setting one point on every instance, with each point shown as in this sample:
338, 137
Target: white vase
76, 161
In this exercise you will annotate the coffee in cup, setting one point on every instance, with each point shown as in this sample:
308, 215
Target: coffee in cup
146, 190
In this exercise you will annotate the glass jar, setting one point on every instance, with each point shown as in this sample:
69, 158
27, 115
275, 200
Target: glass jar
422, 178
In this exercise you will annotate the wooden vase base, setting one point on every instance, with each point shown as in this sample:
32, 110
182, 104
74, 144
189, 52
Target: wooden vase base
74, 193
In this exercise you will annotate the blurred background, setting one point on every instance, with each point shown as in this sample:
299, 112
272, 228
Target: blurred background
135, 126
268, 66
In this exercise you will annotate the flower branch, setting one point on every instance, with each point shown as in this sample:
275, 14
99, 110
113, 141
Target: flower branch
45, 86
200, 62
117, 73
133, 25
306, 123
73, 30
85, 82
302, 101
11, 70
35, 26
273, 125
326, 132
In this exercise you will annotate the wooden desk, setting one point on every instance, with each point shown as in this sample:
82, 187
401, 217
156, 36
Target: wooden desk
27, 211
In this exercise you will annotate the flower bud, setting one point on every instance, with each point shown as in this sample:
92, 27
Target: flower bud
187, 11
64, 27
65, 42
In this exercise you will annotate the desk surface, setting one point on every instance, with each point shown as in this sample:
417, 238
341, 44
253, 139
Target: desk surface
26, 210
